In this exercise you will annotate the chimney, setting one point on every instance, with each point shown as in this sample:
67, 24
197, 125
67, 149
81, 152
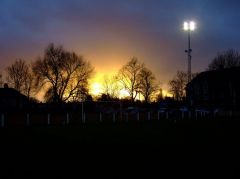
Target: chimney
5, 85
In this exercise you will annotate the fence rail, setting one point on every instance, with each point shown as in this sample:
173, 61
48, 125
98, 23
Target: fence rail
75, 118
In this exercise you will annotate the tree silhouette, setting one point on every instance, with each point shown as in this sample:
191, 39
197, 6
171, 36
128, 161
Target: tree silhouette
63, 73
104, 97
226, 59
178, 85
111, 86
19, 76
147, 83
129, 77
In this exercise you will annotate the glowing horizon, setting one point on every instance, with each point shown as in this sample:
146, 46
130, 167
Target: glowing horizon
96, 87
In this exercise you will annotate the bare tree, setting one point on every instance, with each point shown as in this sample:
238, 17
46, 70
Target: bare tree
64, 74
47, 71
226, 59
147, 83
111, 86
19, 76
28, 89
129, 77
178, 84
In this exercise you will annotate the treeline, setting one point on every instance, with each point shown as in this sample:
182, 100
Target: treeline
63, 76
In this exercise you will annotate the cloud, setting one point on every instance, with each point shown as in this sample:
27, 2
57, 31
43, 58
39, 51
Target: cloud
105, 29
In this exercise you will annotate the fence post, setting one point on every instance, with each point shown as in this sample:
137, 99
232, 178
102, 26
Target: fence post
127, 117
114, 117
182, 114
158, 116
2, 121
121, 113
100, 117
28, 120
189, 114
214, 113
138, 116
166, 114
48, 119
196, 114
82, 113
67, 120
149, 116
84, 118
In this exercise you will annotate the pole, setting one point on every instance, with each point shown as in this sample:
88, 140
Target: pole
48, 119
189, 57
100, 117
114, 117
82, 113
121, 110
67, 120
28, 120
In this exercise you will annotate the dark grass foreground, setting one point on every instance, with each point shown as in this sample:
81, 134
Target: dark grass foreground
182, 148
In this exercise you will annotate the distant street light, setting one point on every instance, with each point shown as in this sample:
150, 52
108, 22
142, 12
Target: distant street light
189, 26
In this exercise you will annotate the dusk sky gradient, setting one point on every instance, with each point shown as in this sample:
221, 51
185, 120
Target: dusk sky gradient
109, 32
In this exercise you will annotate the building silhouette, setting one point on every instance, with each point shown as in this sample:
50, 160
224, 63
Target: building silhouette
218, 88
11, 98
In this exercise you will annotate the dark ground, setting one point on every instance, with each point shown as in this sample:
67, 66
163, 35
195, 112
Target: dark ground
160, 149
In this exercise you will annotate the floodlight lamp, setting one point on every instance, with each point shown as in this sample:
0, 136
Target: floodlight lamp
189, 26
185, 26
192, 25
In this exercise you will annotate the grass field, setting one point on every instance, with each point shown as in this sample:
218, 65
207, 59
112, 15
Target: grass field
151, 148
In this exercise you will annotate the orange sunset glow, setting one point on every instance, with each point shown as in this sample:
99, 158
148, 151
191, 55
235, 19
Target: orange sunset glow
96, 89
96, 86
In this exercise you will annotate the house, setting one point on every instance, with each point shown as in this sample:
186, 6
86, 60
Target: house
11, 98
218, 88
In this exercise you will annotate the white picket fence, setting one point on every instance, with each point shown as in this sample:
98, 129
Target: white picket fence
102, 117
83, 118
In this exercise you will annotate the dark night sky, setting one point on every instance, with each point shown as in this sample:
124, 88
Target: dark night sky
109, 32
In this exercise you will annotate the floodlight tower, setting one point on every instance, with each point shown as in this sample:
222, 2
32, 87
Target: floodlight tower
189, 26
